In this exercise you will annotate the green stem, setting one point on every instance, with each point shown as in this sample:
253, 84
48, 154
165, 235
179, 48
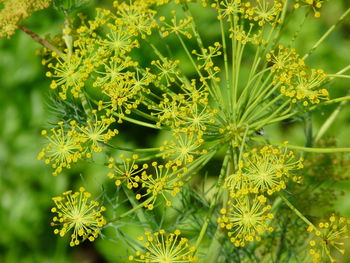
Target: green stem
297, 32
133, 150
308, 130
325, 126
139, 212
135, 208
328, 32
343, 70
224, 47
142, 123
296, 211
305, 149
215, 246
213, 200
339, 76
85, 104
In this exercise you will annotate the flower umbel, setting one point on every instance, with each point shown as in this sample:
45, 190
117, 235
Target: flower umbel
327, 236
246, 219
165, 248
75, 211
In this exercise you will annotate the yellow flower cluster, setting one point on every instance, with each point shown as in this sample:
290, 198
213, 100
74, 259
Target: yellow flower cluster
74, 211
14, 12
258, 11
129, 172
295, 79
186, 112
164, 247
261, 171
70, 142
246, 219
264, 170
327, 236
160, 182
182, 150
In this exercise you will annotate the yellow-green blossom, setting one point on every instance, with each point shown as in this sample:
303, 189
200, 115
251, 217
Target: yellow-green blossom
246, 219
74, 211
326, 237
14, 12
162, 248
129, 171
64, 147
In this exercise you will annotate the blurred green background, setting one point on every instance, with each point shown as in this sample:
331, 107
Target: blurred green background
26, 185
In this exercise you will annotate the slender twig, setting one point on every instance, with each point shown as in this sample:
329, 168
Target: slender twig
41, 41
328, 32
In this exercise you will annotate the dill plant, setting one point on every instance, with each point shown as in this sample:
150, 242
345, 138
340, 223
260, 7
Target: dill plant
216, 112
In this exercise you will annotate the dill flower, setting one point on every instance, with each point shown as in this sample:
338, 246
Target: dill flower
129, 172
122, 97
183, 150
267, 169
166, 180
303, 87
284, 59
14, 12
97, 131
167, 70
327, 236
165, 247
137, 17
245, 219
75, 211
176, 26
64, 148
295, 79
229, 8
70, 72
266, 11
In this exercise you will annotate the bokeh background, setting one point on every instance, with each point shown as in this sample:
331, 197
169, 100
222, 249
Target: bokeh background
26, 185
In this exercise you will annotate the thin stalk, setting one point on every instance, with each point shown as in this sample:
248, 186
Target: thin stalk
135, 208
234, 55
145, 115
305, 149
345, 98
85, 104
237, 71
308, 130
328, 32
280, 26
325, 126
343, 70
224, 47
142, 123
264, 93
193, 24
139, 212
297, 32
68, 39
247, 86
133, 150
296, 211
339, 76
213, 201
42, 41
261, 109
263, 122
216, 244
